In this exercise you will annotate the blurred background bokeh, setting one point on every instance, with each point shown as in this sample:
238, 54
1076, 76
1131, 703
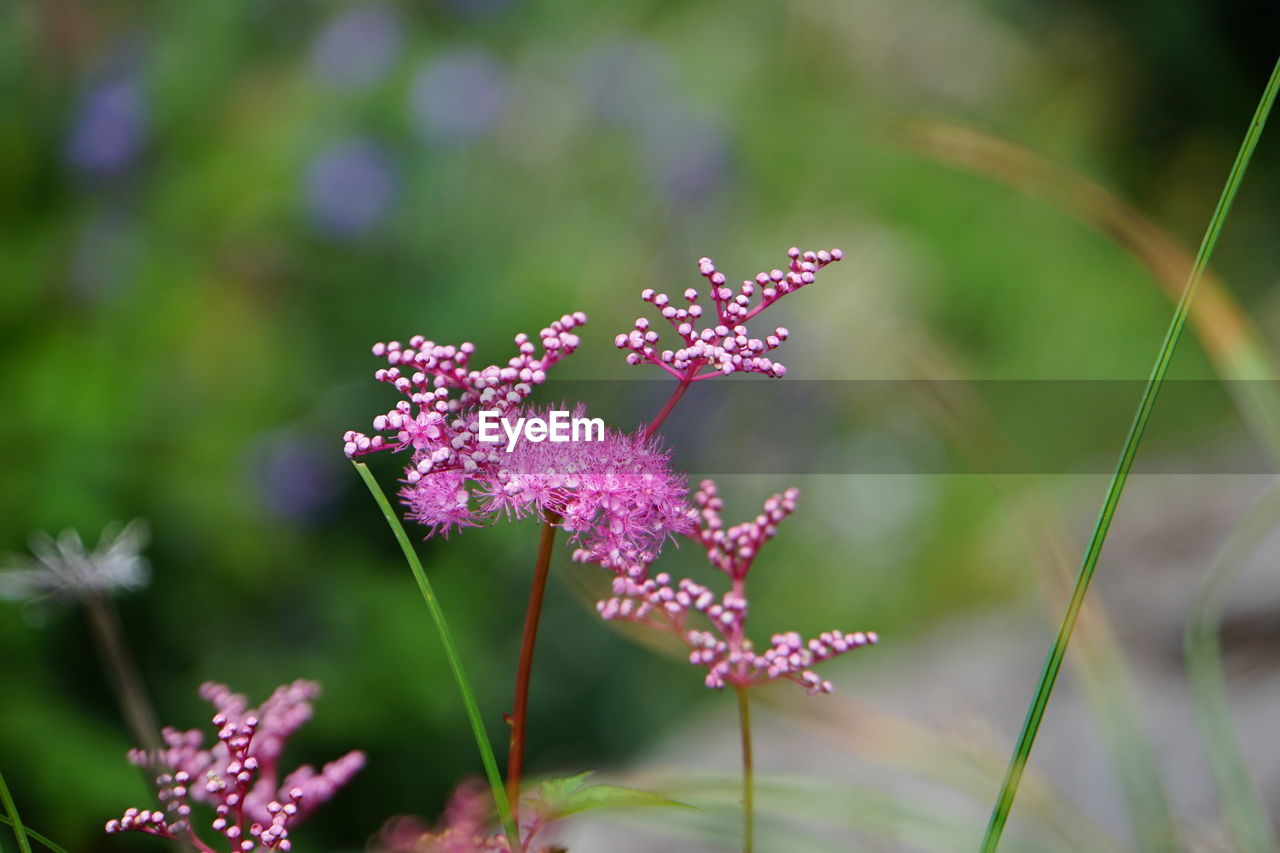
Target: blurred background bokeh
211, 209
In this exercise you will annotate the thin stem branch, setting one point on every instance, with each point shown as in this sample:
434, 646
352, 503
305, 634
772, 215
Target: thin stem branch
451, 653
666, 410
19, 831
748, 770
1053, 664
524, 671
35, 836
123, 672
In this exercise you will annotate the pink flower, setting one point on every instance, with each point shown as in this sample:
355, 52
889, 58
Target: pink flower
443, 395
618, 498
616, 494
438, 422
725, 345
720, 643
239, 775
462, 829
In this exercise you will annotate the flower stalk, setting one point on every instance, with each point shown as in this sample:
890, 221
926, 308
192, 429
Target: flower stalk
114, 649
451, 653
748, 771
524, 670
19, 831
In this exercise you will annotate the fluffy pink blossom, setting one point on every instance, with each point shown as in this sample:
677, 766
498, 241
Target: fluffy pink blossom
239, 775
462, 829
618, 498
719, 641
438, 422
616, 495
723, 345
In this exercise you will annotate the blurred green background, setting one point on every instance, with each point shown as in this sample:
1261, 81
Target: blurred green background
209, 210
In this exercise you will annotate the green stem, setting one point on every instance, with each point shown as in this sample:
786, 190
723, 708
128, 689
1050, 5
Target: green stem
748, 771
1053, 664
132, 695
1242, 806
14, 820
35, 836
455, 662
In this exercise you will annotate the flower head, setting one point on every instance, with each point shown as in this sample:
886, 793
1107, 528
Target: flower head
615, 494
239, 775
724, 346
617, 497
439, 418
62, 568
464, 827
719, 642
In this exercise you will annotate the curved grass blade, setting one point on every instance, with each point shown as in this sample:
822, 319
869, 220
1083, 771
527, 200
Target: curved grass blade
500, 800
19, 831
1242, 806
1053, 664
35, 836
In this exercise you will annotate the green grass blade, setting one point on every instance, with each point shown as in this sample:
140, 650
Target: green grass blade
1242, 806
451, 652
19, 831
35, 836
1053, 664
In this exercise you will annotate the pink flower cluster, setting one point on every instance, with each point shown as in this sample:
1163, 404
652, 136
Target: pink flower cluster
726, 346
462, 828
439, 421
618, 498
238, 776
722, 647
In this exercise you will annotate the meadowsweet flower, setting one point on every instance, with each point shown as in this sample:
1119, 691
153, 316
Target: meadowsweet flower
439, 419
462, 829
616, 495
239, 776
618, 498
721, 644
724, 345
63, 569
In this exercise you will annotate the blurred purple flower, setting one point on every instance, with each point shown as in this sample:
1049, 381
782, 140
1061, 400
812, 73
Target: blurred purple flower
626, 81
294, 475
357, 47
110, 126
687, 153
350, 187
458, 96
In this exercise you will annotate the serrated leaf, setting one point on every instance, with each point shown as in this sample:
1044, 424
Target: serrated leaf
559, 798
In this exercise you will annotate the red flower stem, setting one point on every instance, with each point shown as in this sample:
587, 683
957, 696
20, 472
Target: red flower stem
524, 671
671, 404
748, 771
533, 614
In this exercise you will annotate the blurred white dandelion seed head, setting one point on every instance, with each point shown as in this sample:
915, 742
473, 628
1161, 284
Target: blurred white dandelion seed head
62, 567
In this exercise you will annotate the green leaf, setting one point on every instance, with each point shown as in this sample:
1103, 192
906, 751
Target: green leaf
1053, 664
559, 798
